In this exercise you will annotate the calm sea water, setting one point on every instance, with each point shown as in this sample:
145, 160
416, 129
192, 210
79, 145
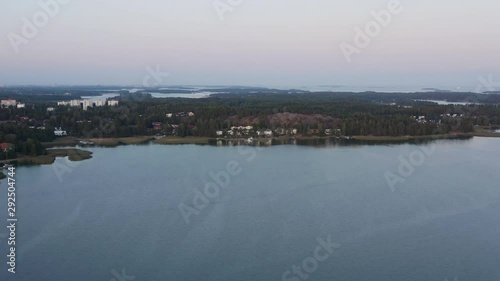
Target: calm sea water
120, 211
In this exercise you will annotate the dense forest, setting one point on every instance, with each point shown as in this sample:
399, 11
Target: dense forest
377, 114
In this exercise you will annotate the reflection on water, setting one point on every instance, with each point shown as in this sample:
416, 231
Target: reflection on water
325, 142
120, 210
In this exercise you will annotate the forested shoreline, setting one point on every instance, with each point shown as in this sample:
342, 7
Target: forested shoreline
304, 113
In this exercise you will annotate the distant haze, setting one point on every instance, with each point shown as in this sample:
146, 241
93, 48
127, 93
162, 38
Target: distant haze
287, 43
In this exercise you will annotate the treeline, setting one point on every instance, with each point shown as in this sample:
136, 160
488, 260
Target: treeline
367, 124
354, 114
357, 118
25, 141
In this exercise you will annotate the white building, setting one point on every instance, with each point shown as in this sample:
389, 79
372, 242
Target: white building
63, 103
7, 103
87, 104
113, 102
50, 109
60, 132
220, 133
100, 103
242, 128
21, 105
75, 103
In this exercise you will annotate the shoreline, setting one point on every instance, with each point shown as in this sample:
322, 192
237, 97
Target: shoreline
78, 154
73, 154
139, 140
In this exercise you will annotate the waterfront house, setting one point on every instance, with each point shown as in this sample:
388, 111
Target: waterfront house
157, 125
60, 132
5, 147
314, 131
280, 131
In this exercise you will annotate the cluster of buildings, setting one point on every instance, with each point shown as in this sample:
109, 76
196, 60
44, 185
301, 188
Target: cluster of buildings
241, 131
423, 119
13, 103
85, 104
180, 114
452, 115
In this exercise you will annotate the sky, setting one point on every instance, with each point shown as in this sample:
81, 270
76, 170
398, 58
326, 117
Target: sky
288, 43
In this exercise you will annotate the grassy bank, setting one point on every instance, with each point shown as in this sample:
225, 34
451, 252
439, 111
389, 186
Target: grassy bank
179, 140
112, 142
109, 142
72, 154
409, 138
306, 138
485, 133
477, 133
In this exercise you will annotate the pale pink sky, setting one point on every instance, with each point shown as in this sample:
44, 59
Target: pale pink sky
447, 43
